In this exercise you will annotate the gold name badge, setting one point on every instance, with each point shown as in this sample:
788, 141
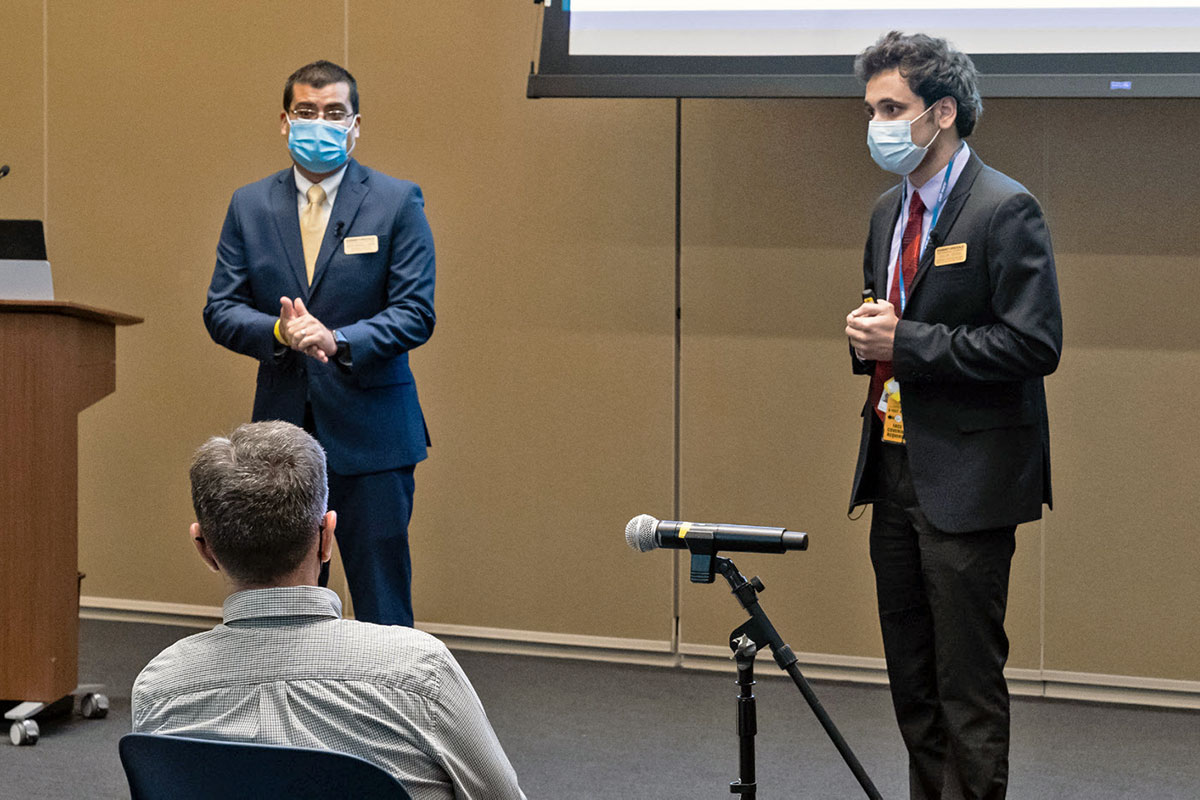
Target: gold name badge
354, 245
950, 254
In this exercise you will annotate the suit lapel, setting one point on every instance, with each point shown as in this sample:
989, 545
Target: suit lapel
883, 245
287, 222
954, 205
350, 196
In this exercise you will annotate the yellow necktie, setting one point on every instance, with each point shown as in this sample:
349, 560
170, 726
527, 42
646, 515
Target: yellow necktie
312, 227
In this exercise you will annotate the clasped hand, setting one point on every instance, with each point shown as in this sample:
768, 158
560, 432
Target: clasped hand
303, 332
872, 330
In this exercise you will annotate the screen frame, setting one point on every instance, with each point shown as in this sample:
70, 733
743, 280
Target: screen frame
1043, 75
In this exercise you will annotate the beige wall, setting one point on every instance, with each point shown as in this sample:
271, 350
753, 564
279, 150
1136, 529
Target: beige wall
549, 382
22, 125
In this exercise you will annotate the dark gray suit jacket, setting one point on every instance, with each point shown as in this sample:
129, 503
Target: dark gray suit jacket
974, 342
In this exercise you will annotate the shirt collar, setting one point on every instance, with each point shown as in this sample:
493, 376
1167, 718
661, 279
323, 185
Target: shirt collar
282, 601
930, 190
329, 184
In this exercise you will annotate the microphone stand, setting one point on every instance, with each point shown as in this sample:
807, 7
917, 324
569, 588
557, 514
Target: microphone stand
745, 641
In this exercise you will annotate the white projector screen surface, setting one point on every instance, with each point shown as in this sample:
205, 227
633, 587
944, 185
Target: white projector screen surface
798, 29
780, 48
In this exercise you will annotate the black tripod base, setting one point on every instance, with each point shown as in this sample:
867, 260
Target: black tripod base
745, 642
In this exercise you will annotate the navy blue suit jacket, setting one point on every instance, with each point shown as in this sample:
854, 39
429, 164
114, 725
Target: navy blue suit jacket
970, 353
367, 415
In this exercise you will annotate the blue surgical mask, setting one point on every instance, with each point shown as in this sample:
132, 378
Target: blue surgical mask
892, 147
317, 145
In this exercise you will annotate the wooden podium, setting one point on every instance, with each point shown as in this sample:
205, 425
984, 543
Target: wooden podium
56, 359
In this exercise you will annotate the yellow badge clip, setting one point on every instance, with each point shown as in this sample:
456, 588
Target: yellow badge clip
893, 421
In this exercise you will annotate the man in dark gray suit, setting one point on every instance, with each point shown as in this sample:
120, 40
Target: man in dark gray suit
955, 440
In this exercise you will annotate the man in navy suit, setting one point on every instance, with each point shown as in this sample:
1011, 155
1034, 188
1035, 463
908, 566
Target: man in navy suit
325, 275
962, 323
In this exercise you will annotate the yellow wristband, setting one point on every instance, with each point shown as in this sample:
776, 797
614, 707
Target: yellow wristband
278, 337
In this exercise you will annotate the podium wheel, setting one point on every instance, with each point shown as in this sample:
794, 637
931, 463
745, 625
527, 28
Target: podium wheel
94, 705
24, 732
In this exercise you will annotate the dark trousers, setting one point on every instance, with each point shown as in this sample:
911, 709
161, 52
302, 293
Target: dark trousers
372, 538
942, 599
373, 512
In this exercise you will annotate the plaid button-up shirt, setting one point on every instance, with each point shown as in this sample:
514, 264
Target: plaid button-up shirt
285, 668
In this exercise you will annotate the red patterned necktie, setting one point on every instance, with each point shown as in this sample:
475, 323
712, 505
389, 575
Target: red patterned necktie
910, 255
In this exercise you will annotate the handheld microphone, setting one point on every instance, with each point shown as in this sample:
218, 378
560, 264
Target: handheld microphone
644, 533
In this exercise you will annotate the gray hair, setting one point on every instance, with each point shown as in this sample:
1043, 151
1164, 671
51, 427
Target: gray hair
259, 497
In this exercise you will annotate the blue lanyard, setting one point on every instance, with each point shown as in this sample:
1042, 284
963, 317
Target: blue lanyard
937, 210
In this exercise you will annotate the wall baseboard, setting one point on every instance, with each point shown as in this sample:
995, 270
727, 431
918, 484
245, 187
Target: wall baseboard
115, 609
1054, 684
650, 652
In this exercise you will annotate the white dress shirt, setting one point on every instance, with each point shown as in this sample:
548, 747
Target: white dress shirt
285, 668
929, 195
330, 185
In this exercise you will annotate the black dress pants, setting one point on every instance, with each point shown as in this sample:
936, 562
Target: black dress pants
942, 598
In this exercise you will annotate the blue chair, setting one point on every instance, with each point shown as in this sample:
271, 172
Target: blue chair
180, 768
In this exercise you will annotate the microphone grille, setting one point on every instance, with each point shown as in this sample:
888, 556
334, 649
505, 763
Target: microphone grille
639, 533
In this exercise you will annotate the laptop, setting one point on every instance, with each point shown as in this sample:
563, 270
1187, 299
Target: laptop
24, 270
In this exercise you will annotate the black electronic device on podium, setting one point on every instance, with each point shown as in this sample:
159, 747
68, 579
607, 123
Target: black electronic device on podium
704, 541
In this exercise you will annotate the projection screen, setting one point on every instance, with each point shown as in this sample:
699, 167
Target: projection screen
792, 48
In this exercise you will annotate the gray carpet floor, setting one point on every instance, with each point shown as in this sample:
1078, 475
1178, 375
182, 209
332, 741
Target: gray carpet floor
578, 730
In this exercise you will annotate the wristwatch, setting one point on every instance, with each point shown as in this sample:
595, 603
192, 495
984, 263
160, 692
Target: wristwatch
343, 348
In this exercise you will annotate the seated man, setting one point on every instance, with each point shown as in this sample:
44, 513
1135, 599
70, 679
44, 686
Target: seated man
284, 667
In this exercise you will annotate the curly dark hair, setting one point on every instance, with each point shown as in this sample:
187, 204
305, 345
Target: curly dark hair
933, 70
